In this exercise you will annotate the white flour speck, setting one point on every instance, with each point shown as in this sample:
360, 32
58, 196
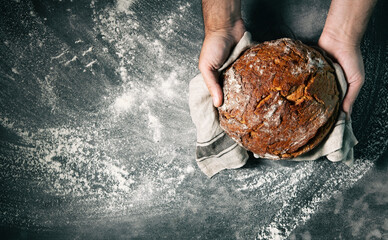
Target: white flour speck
124, 6
14, 70
71, 60
124, 103
87, 51
91, 63
155, 126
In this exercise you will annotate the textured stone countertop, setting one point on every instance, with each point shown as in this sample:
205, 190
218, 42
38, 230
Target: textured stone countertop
96, 140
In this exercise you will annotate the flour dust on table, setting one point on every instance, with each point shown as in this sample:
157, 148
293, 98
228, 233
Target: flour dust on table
96, 139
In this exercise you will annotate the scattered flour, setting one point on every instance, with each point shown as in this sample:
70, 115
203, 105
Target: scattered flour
71, 60
100, 155
48, 94
296, 210
87, 51
124, 6
124, 103
155, 126
108, 164
90, 64
318, 63
270, 112
15, 70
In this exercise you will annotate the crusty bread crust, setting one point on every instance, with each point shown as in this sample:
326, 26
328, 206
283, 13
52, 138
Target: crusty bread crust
280, 99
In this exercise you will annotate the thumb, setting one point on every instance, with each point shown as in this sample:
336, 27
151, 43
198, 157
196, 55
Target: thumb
212, 83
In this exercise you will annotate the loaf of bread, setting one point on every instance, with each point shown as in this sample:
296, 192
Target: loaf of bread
280, 99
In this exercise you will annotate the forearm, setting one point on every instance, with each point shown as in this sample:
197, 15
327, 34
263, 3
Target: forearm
348, 19
220, 14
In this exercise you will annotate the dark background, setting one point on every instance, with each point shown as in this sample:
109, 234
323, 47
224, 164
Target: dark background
96, 141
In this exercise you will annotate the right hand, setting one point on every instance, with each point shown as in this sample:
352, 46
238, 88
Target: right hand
215, 50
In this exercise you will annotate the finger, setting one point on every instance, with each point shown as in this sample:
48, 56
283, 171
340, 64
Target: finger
211, 80
351, 96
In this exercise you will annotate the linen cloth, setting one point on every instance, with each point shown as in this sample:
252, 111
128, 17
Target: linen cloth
216, 151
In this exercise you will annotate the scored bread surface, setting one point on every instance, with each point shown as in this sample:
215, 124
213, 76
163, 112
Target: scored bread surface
280, 99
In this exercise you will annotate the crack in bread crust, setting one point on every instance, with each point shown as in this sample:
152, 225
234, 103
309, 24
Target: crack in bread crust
280, 99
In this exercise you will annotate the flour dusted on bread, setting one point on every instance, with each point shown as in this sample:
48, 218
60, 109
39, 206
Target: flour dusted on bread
280, 99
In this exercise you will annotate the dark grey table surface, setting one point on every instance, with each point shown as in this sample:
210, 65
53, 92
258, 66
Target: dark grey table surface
96, 140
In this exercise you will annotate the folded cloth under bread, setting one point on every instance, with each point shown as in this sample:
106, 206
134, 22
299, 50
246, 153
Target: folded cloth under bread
216, 151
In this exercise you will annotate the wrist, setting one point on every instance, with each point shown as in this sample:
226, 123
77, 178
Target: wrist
233, 31
337, 47
347, 20
340, 36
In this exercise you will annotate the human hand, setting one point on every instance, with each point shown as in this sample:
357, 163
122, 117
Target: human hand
215, 50
348, 55
344, 27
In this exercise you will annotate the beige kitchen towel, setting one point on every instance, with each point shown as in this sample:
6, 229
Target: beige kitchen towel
216, 151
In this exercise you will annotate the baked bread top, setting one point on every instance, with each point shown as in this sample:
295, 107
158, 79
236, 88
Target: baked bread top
280, 99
